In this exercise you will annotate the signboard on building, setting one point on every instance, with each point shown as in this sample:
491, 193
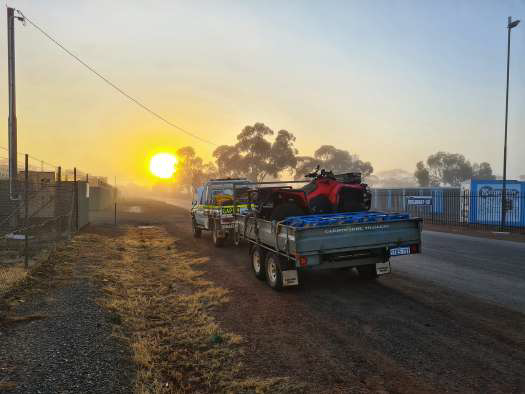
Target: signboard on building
423, 201
486, 202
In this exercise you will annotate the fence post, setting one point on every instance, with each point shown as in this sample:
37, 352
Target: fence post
432, 207
58, 203
76, 198
115, 199
26, 210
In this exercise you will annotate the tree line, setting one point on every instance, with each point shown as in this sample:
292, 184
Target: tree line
450, 169
261, 154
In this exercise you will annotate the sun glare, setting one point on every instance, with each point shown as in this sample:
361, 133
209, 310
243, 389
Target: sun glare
162, 165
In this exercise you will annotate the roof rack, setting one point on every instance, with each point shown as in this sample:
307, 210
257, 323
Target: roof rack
229, 179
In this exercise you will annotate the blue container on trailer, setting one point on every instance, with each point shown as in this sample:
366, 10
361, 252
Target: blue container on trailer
485, 202
322, 220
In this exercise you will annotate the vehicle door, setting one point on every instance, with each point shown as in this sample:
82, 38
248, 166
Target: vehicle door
199, 206
213, 209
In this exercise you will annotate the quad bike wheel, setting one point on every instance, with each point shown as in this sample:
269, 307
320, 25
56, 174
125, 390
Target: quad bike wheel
320, 204
285, 210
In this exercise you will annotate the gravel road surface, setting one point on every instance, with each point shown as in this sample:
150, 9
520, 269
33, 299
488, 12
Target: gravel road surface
68, 347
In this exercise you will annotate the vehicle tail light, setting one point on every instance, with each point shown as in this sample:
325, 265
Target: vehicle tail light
303, 260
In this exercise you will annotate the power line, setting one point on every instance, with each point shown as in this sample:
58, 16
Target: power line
40, 161
33, 157
112, 84
43, 161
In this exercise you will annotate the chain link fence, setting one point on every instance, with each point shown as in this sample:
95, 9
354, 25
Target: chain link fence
42, 208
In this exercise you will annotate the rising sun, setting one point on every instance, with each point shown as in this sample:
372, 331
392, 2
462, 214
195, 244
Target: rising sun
162, 165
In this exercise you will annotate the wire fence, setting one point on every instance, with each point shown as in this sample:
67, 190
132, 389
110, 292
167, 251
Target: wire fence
44, 206
461, 208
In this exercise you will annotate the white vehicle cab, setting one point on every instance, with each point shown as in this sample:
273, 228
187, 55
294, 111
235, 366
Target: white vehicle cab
213, 207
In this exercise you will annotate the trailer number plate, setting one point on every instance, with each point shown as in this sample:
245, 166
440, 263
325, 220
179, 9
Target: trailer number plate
383, 268
290, 278
400, 251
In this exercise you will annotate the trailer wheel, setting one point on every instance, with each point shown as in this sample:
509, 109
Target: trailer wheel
257, 257
197, 232
217, 241
274, 276
367, 272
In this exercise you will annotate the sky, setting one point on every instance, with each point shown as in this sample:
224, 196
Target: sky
390, 81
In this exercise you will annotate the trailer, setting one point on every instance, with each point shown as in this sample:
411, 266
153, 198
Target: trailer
281, 249
362, 240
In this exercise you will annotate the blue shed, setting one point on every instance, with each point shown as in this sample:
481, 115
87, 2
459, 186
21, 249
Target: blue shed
485, 202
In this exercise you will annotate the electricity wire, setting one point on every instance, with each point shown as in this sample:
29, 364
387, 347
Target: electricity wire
112, 84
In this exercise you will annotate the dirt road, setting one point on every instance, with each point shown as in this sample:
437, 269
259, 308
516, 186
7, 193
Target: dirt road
197, 320
339, 333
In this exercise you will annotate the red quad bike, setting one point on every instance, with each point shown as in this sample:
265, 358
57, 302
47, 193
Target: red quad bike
326, 193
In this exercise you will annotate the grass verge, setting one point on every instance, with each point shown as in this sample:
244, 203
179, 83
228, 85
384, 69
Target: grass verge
46, 272
163, 306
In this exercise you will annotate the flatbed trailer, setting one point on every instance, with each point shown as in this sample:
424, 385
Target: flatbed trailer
279, 250
364, 240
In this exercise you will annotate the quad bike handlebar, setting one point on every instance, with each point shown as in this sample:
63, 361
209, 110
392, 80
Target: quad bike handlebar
323, 174
313, 174
348, 177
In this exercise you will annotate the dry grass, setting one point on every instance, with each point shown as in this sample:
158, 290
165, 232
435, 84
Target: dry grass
11, 276
7, 385
164, 305
13, 272
10, 320
46, 271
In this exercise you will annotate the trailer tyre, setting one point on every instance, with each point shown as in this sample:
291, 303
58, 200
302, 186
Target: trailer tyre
217, 241
367, 272
274, 276
257, 257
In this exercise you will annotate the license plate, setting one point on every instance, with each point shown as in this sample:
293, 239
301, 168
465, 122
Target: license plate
290, 278
383, 268
227, 210
404, 250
